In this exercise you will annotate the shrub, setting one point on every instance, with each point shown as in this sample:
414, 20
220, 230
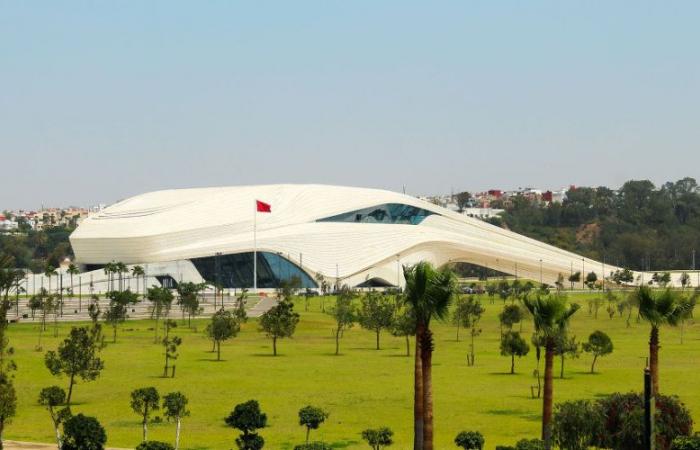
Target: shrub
470, 440
577, 424
154, 445
378, 438
313, 446
83, 433
686, 443
624, 421
529, 444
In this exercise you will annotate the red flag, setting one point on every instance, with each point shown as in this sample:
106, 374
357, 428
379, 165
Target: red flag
263, 207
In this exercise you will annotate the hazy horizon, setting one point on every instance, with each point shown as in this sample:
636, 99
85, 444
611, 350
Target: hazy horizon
104, 101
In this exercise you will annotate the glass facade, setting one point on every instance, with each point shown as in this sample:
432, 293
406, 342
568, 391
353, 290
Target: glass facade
236, 271
387, 213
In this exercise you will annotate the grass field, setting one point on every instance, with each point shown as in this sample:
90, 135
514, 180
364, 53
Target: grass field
361, 388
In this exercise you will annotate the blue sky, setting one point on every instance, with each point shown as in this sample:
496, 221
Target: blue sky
102, 100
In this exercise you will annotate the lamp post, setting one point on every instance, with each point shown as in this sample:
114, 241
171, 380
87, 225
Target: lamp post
583, 272
398, 271
540, 273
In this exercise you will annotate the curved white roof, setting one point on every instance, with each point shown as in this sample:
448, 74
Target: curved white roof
180, 224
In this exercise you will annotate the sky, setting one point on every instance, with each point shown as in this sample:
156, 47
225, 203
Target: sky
103, 100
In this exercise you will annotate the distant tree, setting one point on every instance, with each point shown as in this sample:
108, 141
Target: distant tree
83, 433
376, 313
512, 344
311, 417
470, 440
491, 290
77, 357
161, 301
313, 446
248, 418
560, 282
577, 424
143, 402
574, 278
378, 438
344, 314
594, 305
72, 270
468, 312
224, 326
591, 280
175, 408
119, 302
138, 272
154, 445
463, 199
8, 403
279, 322
599, 344
566, 346
51, 398
687, 304
504, 290
404, 325
52, 305
685, 280
188, 294
171, 345
50, 272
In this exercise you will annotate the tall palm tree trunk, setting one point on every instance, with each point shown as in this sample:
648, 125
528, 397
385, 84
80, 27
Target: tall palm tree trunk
418, 394
427, 367
548, 397
654, 359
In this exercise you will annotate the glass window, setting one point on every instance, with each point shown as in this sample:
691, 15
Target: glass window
396, 213
236, 270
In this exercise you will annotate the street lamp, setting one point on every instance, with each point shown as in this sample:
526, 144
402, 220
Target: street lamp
540, 273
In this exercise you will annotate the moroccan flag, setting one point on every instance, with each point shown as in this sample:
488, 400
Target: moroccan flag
263, 207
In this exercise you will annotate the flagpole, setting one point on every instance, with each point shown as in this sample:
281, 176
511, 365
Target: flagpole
255, 247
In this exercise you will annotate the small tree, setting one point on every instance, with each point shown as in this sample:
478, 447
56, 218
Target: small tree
8, 403
469, 312
279, 322
404, 325
591, 279
311, 417
143, 402
574, 278
685, 280
510, 315
512, 344
378, 438
51, 398
224, 326
470, 440
77, 357
161, 301
248, 418
376, 313
175, 408
576, 424
118, 309
188, 294
344, 315
566, 346
599, 344
83, 433
171, 345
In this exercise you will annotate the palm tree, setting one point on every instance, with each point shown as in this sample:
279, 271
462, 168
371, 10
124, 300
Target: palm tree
137, 271
50, 271
429, 293
72, 270
551, 316
109, 269
121, 269
663, 308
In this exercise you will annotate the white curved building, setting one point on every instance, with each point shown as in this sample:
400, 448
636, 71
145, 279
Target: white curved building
352, 236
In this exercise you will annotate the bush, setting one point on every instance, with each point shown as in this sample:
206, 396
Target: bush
686, 443
378, 438
470, 440
505, 447
154, 445
623, 428
83, 433
529, 444
577, 424
313, 446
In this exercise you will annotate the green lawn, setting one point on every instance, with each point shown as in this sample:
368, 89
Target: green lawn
361, 388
